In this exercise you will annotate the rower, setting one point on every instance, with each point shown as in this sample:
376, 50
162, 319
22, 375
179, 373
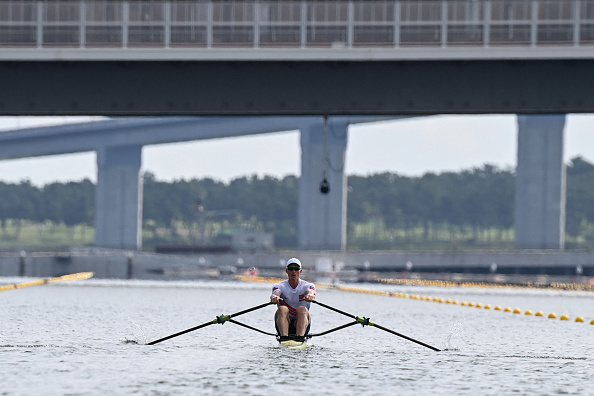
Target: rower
293, 298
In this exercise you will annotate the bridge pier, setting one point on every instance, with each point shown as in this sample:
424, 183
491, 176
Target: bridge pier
539, 199
118, 198
540, 183
321, 218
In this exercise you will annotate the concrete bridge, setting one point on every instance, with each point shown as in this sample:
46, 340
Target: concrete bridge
119, 143
540, 189
311, 58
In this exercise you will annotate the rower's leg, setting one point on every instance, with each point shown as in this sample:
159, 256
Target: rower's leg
281, 317
303, 318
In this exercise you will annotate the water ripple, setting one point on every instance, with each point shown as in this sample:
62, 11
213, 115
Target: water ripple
93, 340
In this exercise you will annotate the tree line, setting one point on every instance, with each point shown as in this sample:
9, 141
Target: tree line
385, 210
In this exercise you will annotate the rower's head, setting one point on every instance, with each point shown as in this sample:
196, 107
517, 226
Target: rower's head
293, 267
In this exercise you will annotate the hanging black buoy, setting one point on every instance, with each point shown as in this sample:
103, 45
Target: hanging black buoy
324, 186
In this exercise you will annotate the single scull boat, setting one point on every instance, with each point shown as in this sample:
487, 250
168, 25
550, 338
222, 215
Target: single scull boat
292, 341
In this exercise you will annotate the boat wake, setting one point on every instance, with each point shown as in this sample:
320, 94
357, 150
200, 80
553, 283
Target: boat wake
24, 346
544, 357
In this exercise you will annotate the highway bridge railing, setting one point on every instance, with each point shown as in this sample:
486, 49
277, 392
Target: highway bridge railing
308, 24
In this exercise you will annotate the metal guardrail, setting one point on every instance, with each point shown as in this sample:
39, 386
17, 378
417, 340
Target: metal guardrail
296, 24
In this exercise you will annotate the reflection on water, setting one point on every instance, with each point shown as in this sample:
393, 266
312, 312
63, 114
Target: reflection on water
90, 338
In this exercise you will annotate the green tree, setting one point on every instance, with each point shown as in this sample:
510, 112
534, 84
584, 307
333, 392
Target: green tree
580, 195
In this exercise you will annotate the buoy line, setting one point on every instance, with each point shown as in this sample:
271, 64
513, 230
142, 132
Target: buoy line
552, 315
528, 285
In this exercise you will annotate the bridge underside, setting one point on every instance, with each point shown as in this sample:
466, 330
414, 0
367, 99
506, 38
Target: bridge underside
116, 88
296, 87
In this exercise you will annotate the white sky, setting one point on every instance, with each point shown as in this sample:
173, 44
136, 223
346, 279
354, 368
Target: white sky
408, 147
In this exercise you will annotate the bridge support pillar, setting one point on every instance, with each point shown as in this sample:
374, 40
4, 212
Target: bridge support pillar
540, 183
322, 215
118, 198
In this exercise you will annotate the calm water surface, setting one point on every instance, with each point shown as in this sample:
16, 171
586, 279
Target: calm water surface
89, 337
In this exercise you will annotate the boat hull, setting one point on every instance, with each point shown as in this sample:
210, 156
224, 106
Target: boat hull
293, 344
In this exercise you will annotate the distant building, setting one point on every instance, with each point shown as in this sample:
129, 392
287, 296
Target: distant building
251, 238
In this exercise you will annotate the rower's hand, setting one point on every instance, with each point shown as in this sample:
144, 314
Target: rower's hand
275, 299
309, 297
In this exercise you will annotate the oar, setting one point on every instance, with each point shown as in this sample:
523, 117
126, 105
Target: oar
366, 321
77, 276
219, 319
332, 330
251, 327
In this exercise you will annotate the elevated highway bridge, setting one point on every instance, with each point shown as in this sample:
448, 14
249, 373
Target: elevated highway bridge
308, 58
296, 57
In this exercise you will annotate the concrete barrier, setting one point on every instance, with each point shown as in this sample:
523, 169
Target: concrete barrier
126, 264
